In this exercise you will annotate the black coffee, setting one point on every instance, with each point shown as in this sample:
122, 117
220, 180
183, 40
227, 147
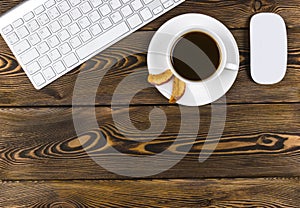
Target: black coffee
195, 56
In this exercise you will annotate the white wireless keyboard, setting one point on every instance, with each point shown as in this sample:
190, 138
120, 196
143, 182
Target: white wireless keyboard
51, 37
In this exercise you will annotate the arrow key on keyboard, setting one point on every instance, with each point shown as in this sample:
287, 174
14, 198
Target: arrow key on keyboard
168, 3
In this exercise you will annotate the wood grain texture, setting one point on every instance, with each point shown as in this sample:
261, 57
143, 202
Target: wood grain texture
234, 13
40, 143
268, 193
128, 58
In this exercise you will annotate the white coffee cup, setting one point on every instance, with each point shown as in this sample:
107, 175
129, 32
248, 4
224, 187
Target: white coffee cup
222, 50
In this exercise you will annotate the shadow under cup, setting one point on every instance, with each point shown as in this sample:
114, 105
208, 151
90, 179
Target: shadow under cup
195, 56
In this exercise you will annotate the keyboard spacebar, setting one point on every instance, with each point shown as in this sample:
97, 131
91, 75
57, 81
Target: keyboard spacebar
102, 40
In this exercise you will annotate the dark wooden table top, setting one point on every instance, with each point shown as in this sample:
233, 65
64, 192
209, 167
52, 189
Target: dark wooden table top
256, 163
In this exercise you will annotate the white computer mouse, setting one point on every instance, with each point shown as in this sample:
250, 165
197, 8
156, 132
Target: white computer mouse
268, 46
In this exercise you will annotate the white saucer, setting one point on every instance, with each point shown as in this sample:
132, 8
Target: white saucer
207, 91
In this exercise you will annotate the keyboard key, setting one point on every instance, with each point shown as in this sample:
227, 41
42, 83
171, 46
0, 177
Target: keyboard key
157, 10
147, 1
39, 79
53, 41
134, 21
115, 4
75, 14
29, 56
102, 41
18, 23
75, 42
28, 16
39, 10
49, 73
7, 29
53, 13
33, 68
136, 5
65, 20
105, 23
44, 61
74, 29
21, 47
85, 36
59, 67
75, 2
50, 3
12, 38
96, 3
33, 25
64, 7
54, 55
43, 47
64, 35
34, 39
96, 30
126, 11
116, 17
70, 60
22, 32
44, 33
65, 48
43, 19
94, 16
85, 7
146, 14
125, 1
55, 26
84, 22
168, 3
105, 10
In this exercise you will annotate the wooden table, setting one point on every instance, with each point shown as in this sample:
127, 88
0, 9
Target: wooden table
256, 163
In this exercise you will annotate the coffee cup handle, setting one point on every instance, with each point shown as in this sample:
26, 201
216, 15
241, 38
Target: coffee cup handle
233, 67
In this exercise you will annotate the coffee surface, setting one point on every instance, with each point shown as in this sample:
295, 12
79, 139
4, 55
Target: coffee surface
195, 56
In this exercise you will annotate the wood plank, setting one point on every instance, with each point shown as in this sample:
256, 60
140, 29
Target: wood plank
16, 90
41, 143
234, 13
269, 192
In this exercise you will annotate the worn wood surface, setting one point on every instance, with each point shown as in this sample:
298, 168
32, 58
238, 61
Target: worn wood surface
258, 140
269, 192
43, 162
